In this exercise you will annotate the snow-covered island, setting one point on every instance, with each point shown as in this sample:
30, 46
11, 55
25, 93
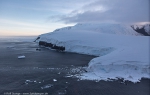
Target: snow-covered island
122, 52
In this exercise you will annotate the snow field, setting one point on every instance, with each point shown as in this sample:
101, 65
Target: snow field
121, 53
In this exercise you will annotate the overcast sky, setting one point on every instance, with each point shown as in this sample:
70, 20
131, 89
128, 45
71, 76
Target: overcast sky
34, 17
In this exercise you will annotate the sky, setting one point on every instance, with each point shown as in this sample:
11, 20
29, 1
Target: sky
35, 17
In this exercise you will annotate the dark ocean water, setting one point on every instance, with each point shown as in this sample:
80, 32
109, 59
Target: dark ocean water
46, 72
17, 38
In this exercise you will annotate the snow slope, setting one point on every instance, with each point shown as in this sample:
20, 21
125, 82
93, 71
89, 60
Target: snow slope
102, 28
130, 62
121, 53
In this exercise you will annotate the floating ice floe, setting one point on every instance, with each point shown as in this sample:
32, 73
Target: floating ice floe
21, 57
54, 80
69, 75
35, 81
30, 81
47, 86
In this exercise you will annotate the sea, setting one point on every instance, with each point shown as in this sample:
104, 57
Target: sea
17, 38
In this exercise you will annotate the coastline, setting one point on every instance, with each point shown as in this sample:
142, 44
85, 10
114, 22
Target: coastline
39, 68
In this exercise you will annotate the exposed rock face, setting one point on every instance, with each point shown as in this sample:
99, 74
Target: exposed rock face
53, 46
36, 39
142, 30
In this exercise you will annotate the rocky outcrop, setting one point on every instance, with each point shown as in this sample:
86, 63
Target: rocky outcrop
50, 45
140, 30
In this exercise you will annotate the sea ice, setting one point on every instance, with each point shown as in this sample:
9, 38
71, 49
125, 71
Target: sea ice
54, 80
21, 57
46, 86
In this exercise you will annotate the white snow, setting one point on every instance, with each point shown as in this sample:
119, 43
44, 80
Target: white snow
54, 80
30, 81
102, 28
147, 28
122, 52
21, 57
46, 86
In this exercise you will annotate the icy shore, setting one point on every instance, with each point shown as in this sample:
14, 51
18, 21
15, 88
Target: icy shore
122, 52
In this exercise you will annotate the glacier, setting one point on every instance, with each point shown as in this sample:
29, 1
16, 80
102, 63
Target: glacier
121, 52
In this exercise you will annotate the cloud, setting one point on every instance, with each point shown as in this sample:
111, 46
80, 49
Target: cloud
120, 11
60, 6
